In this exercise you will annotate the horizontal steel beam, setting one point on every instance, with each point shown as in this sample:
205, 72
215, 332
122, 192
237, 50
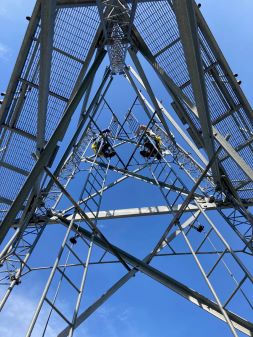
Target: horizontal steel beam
134, 212
19, 132
137, 212
62, 52
6, 201
14, 168
51, 93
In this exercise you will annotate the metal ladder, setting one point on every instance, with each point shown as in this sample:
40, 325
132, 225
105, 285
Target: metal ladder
70, 168
14, 258
94, 183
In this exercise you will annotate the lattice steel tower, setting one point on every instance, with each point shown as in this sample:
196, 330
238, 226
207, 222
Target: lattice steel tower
67, 215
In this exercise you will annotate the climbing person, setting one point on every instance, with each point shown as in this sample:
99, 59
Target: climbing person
101, 145
151, 143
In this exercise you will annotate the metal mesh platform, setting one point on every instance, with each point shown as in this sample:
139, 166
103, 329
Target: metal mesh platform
158, 27
75, 29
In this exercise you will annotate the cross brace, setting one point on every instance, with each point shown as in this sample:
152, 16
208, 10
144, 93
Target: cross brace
182, 290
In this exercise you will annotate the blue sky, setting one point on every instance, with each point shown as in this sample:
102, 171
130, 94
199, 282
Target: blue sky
142, 308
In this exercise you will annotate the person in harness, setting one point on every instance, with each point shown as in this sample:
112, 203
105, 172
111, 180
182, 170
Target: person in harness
101, 145
151, 143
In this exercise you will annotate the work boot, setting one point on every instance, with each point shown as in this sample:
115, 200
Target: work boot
110, 154
145, 154
158, 156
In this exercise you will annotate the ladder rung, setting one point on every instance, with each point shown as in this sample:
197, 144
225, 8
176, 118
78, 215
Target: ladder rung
167, 177
157, 166
94, 200
216, 263
201, 244
95, 178
174, 182
91, 188
178, 196
235, 291
162, 169
89, 209
76, 256
68, 279
58, 311
92, 197
89, 193
167, 193
96, 168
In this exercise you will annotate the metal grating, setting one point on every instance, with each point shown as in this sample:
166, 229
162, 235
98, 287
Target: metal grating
157, 25
75, 29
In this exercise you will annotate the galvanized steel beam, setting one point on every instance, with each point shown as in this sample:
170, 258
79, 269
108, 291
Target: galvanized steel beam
138, 212
187, 26
46, 48
21, 59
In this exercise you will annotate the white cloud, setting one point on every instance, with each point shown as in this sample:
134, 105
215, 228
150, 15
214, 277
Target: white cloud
3, 11
6, 5
109, 321
15, 11
16, 317
114, 321
17, 309
4, 51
